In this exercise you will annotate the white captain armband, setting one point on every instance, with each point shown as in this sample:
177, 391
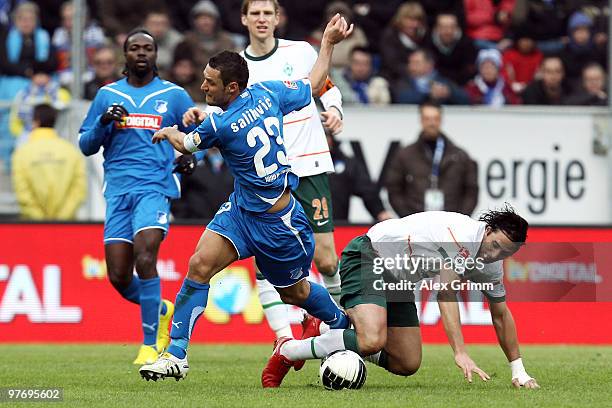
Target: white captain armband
192, 141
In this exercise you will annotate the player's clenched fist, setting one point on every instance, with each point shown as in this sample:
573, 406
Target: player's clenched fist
194, 116
115, 112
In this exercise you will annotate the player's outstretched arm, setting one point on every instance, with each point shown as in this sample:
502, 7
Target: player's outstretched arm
449, 310
172, 135
337, 29
505, 328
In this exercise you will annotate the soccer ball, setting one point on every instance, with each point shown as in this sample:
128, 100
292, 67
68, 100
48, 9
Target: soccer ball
343, 369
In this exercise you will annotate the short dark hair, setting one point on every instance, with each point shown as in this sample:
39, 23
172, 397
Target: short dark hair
428, 55
508, 221
359, 48
429, 103
138, 31
45, 115
233, 68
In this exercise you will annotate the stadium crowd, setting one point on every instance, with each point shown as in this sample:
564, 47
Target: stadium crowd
470, 52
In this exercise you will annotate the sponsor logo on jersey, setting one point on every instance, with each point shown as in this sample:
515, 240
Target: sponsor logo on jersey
291, 84
161, 106
140, 121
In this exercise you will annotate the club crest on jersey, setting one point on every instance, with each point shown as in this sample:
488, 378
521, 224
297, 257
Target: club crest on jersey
291, 84
288, 69
161, 106
140, 121
162, 217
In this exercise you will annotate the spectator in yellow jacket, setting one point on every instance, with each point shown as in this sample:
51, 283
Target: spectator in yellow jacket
48, 172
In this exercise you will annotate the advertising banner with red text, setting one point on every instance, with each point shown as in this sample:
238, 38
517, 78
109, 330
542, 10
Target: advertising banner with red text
53, 288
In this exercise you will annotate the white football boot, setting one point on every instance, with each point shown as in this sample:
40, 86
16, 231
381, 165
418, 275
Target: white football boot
166, 365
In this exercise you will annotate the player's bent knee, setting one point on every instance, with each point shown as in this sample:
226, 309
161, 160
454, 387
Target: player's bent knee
371, 342
327, 263
405, 368
145, 261
200, 268
294, 296
119, 280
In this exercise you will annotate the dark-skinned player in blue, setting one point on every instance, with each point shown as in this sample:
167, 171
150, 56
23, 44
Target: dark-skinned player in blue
139, 181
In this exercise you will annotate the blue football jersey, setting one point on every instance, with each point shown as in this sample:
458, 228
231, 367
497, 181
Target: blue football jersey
249, 135
131, 161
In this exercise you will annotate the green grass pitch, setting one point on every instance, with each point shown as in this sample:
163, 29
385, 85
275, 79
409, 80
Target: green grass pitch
229, 376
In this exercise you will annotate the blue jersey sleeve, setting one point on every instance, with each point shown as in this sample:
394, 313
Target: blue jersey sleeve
93, 133
207, 132
292, 95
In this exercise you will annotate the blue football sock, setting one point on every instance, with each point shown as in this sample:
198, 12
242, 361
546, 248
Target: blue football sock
132, 291
320, 304
189, 306
150, 298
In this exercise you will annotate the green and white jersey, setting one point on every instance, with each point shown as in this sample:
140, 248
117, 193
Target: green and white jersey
304, 138
425, 242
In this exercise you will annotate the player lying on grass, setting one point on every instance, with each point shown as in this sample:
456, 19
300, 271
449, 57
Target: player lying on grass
386, 325
261, 218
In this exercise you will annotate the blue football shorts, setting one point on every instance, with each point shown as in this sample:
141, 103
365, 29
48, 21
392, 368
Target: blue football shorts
130, 213
282, 243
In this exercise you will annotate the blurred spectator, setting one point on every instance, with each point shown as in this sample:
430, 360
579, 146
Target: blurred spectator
357, 82
432, 173
487, 20
24, 45
544, 21
404, 35
340, 57
119, 17
551, 89
229, 11
305, 16
6, 8
42, 89
599, 12
157, 22
422, 82
282, 29
351, 178
231, 20
521, 61
207, 38
203, 192
48, 172
580, 50
51, 18
106, 71
489, 87
593, 90
184, 73
373, 16
453, 51
433, 8
93, 37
